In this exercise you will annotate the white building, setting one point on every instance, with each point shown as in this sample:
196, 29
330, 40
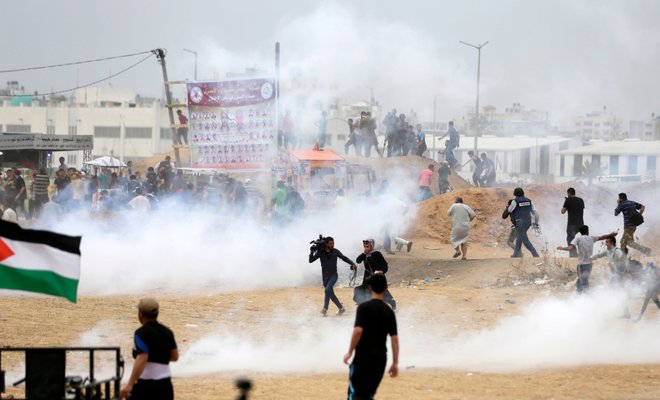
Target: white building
520, 156
123, 124
645, 130
629, 157
599, 125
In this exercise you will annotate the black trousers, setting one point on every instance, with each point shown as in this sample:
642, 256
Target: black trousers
571, 231
364, 377
147, 389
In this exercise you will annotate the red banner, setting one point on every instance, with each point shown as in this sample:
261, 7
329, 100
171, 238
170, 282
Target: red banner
232, 123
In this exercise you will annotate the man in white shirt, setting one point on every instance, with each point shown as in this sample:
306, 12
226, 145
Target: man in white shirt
584, 243
140, 202
8, 214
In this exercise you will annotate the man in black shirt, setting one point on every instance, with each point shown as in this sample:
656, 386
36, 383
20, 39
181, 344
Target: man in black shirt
374, 263
373, 322
329, 274
154, 348
575, 208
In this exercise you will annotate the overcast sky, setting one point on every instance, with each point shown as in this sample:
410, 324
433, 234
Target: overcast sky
567, 57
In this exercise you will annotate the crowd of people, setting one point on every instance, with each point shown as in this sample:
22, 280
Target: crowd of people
111, 189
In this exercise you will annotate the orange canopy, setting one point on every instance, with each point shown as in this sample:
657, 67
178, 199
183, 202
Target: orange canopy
312, 155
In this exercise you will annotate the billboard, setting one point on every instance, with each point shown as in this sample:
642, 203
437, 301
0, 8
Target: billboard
232, 124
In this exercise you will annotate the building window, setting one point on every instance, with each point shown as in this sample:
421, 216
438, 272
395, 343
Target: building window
562, 164
577, 165
138, 133
526, 161
71, 159
73, 130
166, 133
650, 165
632, 165
614, 165
50, 129
15, 128
107, 132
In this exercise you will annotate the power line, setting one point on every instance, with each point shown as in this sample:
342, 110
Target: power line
73, 63
98, 81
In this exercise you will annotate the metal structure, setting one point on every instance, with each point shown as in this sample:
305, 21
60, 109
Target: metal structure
45, 374
160, 54
476, 119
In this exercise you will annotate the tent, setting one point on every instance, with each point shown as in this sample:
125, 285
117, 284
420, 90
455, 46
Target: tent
107, 161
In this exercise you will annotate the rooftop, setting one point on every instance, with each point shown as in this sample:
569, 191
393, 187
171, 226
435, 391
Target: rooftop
498, 143
621, 147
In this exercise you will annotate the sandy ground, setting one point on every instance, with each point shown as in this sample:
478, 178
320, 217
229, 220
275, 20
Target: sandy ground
467, 290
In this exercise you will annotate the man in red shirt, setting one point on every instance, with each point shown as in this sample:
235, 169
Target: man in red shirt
182, 131
424, 183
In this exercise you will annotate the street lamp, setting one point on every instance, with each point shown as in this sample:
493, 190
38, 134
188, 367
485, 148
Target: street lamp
478, 47
195, 53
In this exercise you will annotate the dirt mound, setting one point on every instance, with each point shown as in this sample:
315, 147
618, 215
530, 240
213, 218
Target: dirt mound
488, 203
410, 166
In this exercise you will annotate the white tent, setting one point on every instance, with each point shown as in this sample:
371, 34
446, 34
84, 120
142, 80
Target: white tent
107, 161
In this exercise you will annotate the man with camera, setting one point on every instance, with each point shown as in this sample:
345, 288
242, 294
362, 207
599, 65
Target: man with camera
324, 249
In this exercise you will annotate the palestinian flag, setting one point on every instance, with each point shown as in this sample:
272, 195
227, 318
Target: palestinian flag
39, 261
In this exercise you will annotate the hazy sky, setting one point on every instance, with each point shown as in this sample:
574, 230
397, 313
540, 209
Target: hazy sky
567, 57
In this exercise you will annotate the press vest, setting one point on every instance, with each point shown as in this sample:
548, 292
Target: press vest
523, 210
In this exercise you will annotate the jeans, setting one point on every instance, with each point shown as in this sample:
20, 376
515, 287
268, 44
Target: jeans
583, 272
521, 232
571, 231
182, 135
328, 285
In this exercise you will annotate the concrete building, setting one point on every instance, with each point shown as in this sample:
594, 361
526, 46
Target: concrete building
645, 130
123, 124
520, 156
514, 121
599, 125
627, 158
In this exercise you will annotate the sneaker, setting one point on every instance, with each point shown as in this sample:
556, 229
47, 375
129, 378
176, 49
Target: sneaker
324, 311
409, 246
457, 254
341, 311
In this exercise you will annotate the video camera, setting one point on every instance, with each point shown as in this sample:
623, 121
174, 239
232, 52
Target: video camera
318, 244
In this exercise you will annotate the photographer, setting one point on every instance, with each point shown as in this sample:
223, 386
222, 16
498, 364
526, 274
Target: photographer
374, 264
324, 248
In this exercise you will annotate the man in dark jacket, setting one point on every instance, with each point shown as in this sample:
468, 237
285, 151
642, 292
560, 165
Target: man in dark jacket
524, 215
374, 264
329, 274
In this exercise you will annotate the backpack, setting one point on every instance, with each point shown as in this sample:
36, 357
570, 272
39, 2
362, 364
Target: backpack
636, 218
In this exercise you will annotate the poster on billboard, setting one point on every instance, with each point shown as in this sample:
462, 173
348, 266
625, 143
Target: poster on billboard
232, 124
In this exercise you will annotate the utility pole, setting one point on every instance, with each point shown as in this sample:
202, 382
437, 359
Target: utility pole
160, 54
476, 122
435, 101
195, 53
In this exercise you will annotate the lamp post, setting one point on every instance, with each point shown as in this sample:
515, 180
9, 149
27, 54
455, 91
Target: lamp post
195, 53
476, 122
